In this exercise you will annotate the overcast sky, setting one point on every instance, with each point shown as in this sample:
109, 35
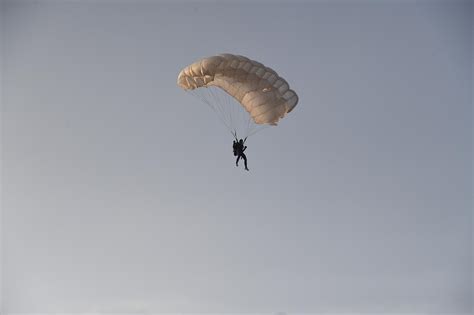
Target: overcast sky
120, 193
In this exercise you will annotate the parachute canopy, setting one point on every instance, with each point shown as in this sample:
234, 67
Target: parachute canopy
266, 96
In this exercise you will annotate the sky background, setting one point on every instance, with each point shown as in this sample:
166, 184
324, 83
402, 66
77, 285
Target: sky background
119, 190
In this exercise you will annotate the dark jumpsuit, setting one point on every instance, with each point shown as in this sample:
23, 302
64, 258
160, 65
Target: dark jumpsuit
239, 149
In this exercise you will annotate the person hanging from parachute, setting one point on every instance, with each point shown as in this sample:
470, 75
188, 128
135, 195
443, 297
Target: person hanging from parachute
263, 97
239, 149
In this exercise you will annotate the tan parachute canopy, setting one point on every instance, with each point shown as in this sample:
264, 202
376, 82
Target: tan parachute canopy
265, 96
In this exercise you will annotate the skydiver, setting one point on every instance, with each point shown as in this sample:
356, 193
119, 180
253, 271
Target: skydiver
239, 149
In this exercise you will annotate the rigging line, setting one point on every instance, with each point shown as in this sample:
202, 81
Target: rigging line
196, 94
224, 97
258, 129
215, 105
231, 108
233, 105
216, 100
248, 124
225, 108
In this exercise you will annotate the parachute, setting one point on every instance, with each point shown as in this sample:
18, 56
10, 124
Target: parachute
245, 94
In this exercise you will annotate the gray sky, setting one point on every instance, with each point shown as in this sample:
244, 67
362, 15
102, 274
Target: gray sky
120, 192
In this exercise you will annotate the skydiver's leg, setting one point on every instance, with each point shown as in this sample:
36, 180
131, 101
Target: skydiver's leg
237, 161
245, 161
